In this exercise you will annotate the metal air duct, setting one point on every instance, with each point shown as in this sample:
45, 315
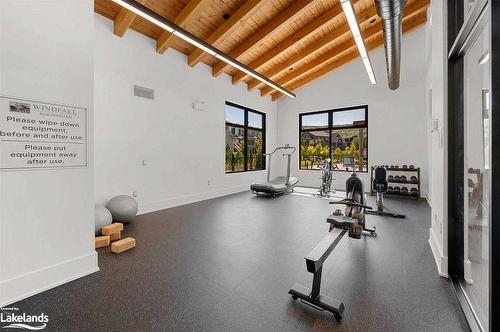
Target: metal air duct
391, 13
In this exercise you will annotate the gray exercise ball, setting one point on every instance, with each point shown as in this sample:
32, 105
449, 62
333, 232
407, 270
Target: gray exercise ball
123, 208
102, 218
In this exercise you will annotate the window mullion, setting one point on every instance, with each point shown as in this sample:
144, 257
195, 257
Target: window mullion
245, 141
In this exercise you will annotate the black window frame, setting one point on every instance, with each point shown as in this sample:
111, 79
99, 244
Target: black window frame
245, 128
330, 127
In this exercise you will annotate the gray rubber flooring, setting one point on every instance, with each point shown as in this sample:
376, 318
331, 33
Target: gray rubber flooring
227, 264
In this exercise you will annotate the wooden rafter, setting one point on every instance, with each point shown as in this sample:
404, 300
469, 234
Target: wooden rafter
227, 27
311, 41
310, 50
374, 42
415, 9
124, 19
284, 18
165, 41
292, 40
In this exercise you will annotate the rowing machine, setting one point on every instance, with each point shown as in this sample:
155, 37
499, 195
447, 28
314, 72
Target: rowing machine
352, 223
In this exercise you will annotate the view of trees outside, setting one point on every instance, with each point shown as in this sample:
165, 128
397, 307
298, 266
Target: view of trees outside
254, 157
235, 152
244, 125
344, 129
315, 147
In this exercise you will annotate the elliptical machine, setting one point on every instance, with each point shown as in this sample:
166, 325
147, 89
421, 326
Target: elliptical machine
326, 179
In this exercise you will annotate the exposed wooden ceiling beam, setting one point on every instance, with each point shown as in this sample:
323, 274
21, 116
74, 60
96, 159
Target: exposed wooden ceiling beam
411, 11
165, 41
337, 51
124, 19
276, 23
373, 43
227, 27
292, 40
311, 49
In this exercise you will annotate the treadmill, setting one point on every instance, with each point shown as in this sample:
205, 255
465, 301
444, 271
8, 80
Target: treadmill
280, 184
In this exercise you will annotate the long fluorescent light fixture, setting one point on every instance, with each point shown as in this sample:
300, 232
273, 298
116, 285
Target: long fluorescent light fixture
353, 25
165, 24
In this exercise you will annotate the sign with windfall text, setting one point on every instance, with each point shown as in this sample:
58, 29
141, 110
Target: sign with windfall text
41, 135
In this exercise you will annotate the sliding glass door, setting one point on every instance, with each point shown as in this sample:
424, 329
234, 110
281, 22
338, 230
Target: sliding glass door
477, 181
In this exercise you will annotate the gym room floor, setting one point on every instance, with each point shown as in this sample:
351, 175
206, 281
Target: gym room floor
227, 264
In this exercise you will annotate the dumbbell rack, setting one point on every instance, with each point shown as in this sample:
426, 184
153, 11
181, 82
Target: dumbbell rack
397, 170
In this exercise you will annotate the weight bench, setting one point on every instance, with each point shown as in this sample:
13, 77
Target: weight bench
314, 265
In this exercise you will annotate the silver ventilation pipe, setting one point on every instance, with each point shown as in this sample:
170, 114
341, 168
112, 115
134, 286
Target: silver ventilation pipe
391, 12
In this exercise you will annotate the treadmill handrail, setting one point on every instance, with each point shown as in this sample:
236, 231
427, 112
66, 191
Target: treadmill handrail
284, 147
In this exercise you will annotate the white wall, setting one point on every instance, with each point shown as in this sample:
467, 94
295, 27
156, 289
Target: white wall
396, 119
183, 149
46, 216
436, 78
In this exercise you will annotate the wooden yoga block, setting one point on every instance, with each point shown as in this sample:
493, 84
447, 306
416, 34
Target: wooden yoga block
111, 229
102, 241
115, 236
122, 245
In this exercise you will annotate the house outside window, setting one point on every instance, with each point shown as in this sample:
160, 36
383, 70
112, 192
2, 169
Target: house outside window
245, 139
340, 135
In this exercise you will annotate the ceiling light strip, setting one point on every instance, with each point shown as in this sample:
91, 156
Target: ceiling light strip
353, 25
163, 23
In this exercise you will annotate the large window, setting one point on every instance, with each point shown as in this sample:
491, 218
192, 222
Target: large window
245, 139
340, 135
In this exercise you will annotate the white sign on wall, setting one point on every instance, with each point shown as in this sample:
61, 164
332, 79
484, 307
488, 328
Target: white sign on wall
41, 135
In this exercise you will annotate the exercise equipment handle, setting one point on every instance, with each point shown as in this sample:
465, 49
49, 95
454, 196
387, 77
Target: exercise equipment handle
285, 147
353, 204
288, 148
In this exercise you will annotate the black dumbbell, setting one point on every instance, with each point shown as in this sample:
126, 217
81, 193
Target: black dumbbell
397, 178
411, 167
391, 167
414, 179
404, 191
414, 192
405, 166
397, 190
390, 178
389, 190
403, 179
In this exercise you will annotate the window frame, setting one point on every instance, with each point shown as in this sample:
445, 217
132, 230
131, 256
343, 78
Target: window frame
329, 128
245, 128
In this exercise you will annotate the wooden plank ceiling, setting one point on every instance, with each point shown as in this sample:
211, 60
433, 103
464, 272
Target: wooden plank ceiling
292, 42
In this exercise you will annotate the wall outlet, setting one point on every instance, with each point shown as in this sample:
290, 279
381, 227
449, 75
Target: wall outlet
134, 193
208, 183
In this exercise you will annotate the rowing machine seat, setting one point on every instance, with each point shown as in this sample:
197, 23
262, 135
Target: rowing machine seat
342, 222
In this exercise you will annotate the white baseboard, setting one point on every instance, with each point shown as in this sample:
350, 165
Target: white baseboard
429, 199
441, 261
34, 282
468, 272
187, 199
